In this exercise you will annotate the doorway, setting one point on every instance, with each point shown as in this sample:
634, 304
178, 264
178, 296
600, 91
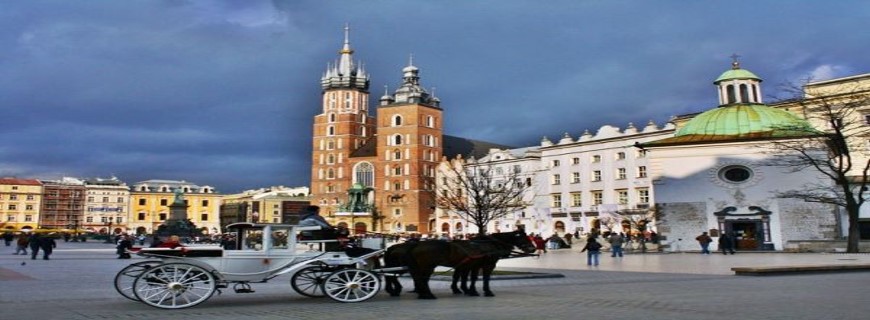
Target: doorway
747, 234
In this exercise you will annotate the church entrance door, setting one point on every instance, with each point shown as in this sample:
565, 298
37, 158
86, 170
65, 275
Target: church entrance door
748, 234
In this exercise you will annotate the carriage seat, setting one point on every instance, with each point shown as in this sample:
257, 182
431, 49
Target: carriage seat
187, 252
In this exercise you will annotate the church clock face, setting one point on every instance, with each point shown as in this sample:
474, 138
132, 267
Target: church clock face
735, 174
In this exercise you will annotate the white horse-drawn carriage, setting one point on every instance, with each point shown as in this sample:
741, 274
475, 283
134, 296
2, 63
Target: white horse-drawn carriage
182, 277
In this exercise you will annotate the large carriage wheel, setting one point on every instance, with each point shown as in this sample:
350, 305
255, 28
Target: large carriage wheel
174, 286
125, 278
309, 281
351, 285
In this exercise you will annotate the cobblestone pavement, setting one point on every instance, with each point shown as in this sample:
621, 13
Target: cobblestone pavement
77, 284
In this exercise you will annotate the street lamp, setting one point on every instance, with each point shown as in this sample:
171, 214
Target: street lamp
109, 230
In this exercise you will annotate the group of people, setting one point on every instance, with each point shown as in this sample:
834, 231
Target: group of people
727, 243
593, 247
35, 241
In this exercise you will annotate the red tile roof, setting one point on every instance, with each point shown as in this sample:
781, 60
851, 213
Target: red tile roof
24, 182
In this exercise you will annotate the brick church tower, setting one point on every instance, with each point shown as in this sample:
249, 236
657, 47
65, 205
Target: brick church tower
393, 155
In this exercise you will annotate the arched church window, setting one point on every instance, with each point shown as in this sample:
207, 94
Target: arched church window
397, 154
744, 93
330, 131
364, 174
331, 117
397, 120
330, 174
732, 97
755, 94
397, 140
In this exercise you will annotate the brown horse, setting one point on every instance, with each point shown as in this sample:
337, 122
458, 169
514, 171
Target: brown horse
421, 257
494, 250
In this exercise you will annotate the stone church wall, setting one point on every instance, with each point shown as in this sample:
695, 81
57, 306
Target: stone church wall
801, 220
682, 220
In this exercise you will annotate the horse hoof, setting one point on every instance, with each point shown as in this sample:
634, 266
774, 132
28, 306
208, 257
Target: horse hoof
426, 297
472, 294
488, 294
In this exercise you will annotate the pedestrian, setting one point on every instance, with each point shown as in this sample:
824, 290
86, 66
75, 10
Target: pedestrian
616, 241
33, 241
593, 250
7, 237
124, 246
568, 238
704, 240
726, 243
540, 245
47, 244
21, 244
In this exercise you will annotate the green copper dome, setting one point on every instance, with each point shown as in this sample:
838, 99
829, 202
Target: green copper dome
736, 74
746, 120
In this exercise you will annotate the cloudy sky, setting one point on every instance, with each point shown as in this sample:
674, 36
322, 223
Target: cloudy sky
222, 93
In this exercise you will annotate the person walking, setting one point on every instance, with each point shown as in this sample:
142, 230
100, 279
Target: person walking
593, 251
7, 237
21, 244
124, 245
704, 240
47, 244
616, 241
33, 241
726, 244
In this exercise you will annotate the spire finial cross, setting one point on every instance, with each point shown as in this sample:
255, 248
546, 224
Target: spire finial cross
735, 64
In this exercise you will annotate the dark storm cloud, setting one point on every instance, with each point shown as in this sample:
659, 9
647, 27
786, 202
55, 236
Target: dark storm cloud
223, 92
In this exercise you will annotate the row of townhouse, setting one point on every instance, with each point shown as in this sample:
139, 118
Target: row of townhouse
99, 205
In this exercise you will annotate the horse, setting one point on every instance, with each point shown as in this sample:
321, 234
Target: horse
421, 257
494, 249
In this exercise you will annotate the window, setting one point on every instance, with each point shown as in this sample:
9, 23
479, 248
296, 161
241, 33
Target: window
105, 199
331, 117
330, 131
596, 175
330, 173
30, 197
430, 121
643, 195
13, 207
620, 156
330, 188
163, 202
555, 163
397, 211
735, 174
557, 179
641, 153
203, 217
597, 198
162, 216
867, 118
575, 160
575, 177
90, 199
620, 173
397, 185
641, 172
576, 199
557, 200
141, 202
10, 218
397, 140
330, 145
205, 203
119, 219
330, 159
89, 219
622, 196
140, 216
518, 168
28, 218
596, 158
365, 174
397, 171
120, 199
397, 120
28, 207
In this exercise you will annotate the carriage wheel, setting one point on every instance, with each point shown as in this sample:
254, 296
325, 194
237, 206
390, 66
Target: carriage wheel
125, 278
351, 285
174, 286
309, 281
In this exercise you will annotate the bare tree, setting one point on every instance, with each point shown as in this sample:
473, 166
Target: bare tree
480, 192
835, 148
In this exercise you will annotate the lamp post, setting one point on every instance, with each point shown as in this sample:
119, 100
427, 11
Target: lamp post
109, 230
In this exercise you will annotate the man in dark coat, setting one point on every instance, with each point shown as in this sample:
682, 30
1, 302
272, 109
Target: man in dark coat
33, 240
47, 244
726, 243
